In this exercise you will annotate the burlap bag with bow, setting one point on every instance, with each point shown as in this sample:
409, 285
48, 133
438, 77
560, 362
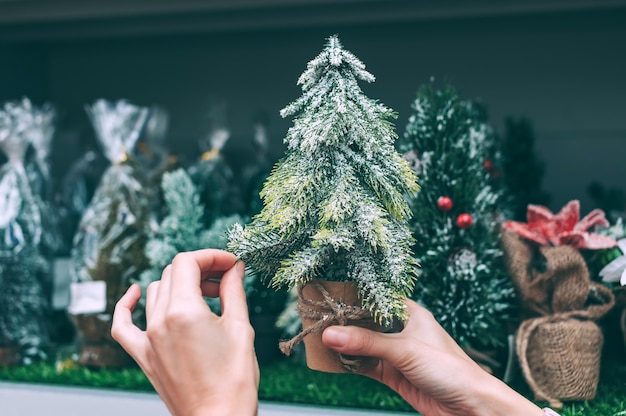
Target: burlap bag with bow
559, 343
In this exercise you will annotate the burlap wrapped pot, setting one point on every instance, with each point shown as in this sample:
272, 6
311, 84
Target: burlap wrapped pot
322, 304
558, 344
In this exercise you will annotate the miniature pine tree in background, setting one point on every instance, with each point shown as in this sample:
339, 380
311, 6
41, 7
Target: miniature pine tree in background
334, 207
180, 228
456, 223
522, 170
183, 228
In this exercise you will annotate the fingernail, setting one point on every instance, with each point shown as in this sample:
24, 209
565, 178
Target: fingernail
335, 337
240, 266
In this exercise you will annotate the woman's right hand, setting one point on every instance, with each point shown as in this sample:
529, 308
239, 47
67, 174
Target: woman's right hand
425, 366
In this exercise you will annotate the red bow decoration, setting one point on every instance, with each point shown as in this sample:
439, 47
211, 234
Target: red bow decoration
563, 228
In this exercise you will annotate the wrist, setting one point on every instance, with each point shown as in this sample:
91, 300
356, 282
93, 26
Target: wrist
239, 400
226, 409
496, 398
227, 406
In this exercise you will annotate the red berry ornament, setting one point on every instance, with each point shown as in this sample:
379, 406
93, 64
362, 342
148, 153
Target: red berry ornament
488, 165
464, 221
444, 203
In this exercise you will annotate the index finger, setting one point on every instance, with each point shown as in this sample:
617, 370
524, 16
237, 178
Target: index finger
189, 267
123, 330
232, 293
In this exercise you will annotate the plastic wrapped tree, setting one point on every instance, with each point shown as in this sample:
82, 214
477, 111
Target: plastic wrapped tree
155, 158
456, 218
334, 217
23, 301
254, 175
76, 190
39, 131
212, 174
108, 250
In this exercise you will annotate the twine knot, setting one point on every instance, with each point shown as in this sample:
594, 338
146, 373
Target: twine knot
325, 312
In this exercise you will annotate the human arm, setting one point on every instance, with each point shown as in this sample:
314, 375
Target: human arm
429, 370
199, 363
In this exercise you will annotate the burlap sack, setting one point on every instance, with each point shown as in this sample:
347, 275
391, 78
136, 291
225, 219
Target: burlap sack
548, 279
560, 354
559, 351
322, 304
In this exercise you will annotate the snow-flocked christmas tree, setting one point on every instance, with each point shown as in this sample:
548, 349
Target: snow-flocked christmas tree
183, 229
335, 206
456, 217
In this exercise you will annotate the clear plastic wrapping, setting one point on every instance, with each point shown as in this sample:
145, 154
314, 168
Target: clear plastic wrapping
108, 245
215, 179
108, 249
20, 218
23, 303
39, 132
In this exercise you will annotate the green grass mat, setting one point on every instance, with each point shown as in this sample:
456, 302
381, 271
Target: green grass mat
292, 382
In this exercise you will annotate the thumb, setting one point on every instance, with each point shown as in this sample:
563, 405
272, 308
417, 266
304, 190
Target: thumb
354, 340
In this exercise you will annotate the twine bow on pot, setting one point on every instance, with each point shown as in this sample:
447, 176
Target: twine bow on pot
325, 312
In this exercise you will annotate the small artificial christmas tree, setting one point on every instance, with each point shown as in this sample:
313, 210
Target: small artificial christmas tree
335, 206
456, 219
108, 249
183, 229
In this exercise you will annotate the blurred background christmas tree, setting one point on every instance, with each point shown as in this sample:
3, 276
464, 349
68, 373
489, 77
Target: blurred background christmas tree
456, 217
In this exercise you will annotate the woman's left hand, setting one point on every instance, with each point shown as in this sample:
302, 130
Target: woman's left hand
198, 362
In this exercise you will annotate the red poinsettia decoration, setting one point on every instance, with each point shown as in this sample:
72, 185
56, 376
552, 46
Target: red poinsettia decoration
563, 228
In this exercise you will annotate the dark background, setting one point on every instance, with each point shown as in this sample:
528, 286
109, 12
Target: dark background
562, 64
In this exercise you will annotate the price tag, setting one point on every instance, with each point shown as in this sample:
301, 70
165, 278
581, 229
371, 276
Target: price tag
88, 297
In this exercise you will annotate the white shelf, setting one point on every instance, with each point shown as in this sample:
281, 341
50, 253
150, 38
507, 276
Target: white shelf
21, 399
